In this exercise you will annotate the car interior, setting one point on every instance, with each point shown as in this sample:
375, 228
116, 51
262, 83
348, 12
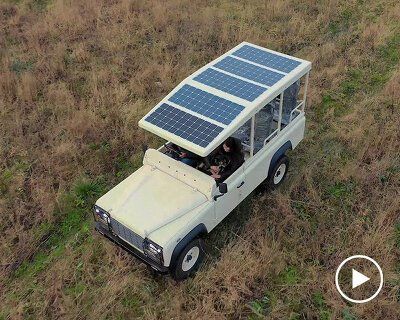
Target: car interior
266, 120
266, 123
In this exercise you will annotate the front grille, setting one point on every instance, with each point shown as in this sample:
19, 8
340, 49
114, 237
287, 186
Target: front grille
127, 234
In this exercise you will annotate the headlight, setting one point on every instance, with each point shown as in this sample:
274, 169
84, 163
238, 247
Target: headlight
153, 250
101, 214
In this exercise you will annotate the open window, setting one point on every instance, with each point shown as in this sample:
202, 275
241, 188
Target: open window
273, 117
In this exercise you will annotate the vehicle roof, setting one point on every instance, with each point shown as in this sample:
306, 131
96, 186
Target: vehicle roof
213, 102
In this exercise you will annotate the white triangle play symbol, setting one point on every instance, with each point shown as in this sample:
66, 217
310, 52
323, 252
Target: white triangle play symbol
358, 279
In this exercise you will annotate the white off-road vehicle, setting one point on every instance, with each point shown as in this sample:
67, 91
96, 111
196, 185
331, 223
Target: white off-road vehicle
162, 211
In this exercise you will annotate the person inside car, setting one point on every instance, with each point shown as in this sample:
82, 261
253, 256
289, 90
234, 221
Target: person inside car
226, 160
183, 155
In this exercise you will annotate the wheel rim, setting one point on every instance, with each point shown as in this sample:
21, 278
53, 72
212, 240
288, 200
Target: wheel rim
190, 258
279, 173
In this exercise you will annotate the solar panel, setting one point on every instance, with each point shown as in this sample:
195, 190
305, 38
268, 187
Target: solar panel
184, 125
206, 104
229, 84
266, 58
249, 71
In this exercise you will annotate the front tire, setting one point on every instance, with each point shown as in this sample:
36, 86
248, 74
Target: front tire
189, 260
279, 172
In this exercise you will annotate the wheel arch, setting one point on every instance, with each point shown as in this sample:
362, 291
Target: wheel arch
198, 231
278, 154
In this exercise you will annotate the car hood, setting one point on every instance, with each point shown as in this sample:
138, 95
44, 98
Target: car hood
149, 199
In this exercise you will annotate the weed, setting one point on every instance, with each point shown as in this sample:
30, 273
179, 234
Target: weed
40, 5
290, 276
341, 189
19, 66
319, 302
347, 315
86, 191
260, 307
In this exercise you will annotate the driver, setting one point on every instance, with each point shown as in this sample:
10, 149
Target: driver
183, 155
226, 160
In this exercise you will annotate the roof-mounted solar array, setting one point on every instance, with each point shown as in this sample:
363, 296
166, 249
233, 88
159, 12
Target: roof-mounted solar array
229, 84
184, 125
266, 58
208, 106
249, 71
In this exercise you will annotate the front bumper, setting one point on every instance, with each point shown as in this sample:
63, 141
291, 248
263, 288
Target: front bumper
127, 247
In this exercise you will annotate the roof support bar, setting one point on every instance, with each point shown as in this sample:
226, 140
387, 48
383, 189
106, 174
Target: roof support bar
280, 111
253, 120
305, 91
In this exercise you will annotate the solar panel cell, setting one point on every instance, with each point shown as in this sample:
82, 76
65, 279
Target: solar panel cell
206, 104
229, 84
249, 71
266, 58
184, 125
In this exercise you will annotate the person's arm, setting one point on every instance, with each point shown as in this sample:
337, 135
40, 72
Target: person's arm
187, 154
235, 163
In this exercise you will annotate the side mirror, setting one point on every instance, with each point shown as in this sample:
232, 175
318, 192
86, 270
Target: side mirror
222, 188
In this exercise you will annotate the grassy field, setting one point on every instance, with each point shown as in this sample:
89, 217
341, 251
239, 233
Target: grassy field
75, 77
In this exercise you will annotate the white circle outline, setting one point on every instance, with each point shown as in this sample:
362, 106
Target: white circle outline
341, 266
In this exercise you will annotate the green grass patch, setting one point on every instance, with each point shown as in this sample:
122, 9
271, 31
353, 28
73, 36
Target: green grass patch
85, 191
30, 268
347, 315
126, 165
390, 52
289, 276
103, 146
353, 82
40, 5
301, 210
342, 23
319, 302
79, 86
19, 66
261, 307
76, 290
133, 303
341, 189
371, 76
72, 220
6, 177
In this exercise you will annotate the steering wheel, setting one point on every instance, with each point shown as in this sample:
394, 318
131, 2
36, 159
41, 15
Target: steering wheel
172, 150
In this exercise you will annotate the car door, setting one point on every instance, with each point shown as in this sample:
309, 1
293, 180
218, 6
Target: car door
225, 204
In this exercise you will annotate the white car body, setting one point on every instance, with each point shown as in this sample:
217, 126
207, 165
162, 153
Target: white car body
169, 203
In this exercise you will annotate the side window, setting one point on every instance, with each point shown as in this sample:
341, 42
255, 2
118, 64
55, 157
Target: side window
243, 134
292, 101
264, 124
266, 121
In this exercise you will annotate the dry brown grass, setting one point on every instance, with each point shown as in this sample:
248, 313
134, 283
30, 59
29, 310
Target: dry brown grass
75, 76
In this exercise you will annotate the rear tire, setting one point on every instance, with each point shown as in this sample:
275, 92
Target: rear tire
278, 173
189, 260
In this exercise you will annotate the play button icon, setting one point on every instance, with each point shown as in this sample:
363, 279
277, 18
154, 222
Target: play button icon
359, 279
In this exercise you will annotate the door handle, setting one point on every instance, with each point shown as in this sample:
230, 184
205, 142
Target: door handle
242, 183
